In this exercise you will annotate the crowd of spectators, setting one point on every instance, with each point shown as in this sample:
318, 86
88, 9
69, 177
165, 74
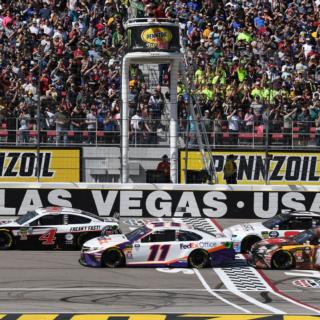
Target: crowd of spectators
254, 64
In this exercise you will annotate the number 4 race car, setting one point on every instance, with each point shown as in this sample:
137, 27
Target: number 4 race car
160, 244
301, 251
287, 224
54, 227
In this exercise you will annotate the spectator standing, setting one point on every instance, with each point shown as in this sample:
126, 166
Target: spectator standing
249, 121
164, 167
91, 122
304, 123
230, 170
62, 120
288, 118
24, 119
233, 125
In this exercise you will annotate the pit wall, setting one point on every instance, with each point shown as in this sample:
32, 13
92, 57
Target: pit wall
160, 200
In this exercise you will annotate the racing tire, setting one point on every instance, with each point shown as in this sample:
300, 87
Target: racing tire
198, 259
248, 242
113, 258
6, 240
83, 237
282, 260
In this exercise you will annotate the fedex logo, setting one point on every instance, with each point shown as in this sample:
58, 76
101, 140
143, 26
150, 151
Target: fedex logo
188, 246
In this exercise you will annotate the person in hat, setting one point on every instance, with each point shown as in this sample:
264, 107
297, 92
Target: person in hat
230, 170
164, 167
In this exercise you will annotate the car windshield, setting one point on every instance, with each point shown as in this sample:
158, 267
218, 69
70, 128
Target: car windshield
304, 236
137, 233
277, 220
28, 216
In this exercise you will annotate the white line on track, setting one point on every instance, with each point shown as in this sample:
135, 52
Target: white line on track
233, 289
213, 293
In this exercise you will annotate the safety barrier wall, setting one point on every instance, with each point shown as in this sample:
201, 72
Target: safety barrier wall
160, 200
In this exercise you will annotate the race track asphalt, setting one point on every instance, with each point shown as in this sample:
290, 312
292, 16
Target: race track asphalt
54, 281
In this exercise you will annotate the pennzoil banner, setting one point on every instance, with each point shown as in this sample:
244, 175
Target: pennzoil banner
153, 38
290, 168
55, 165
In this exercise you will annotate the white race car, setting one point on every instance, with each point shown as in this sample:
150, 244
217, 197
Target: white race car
163, 244
54, 227
287, 224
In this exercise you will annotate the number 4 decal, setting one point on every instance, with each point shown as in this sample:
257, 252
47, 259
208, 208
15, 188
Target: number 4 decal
49, 237
164, 249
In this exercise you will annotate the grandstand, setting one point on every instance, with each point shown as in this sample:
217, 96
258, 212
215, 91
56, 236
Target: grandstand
252, 66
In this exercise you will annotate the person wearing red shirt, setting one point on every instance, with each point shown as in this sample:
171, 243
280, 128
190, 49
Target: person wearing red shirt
164, 166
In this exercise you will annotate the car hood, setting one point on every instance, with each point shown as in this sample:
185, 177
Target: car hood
8, 223
106, 241
244, 228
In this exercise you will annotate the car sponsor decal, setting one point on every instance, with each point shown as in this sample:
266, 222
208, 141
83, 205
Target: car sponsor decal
85, 228
273, 234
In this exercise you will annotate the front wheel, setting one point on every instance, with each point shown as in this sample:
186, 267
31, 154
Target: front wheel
282, 260
198, 259
248, 242
113, 258
6, 240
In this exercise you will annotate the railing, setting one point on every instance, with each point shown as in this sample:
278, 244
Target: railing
155, 132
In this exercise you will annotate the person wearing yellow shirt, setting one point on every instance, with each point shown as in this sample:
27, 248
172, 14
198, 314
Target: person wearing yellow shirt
208, 91
199, 75
207, 31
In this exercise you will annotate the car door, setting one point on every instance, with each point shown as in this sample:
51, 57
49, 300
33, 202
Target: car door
156, 247
78, 227
43, 230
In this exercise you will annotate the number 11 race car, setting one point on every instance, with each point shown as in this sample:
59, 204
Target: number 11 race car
54, 227
160, 244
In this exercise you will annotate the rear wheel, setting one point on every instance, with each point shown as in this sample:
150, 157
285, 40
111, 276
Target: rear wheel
282, 260
83, 237
198, 259
113, 258
6, 240
248, 242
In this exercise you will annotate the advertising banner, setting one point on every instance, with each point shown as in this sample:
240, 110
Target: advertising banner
55, 165
161, 203
153, 38
283, 168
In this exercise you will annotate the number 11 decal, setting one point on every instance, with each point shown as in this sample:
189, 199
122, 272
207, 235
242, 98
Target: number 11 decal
164, 249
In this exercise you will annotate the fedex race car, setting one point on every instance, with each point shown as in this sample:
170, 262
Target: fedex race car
301, 251
54, 227
163, 244
286, 224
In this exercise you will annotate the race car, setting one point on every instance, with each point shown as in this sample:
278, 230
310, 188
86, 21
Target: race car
301, 251
285, 224
163, 244
54, 227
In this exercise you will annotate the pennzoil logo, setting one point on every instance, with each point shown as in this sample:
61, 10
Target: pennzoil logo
25, 164
156, 37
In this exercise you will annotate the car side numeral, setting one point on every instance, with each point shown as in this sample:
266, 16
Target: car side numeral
49, 237
154, 250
